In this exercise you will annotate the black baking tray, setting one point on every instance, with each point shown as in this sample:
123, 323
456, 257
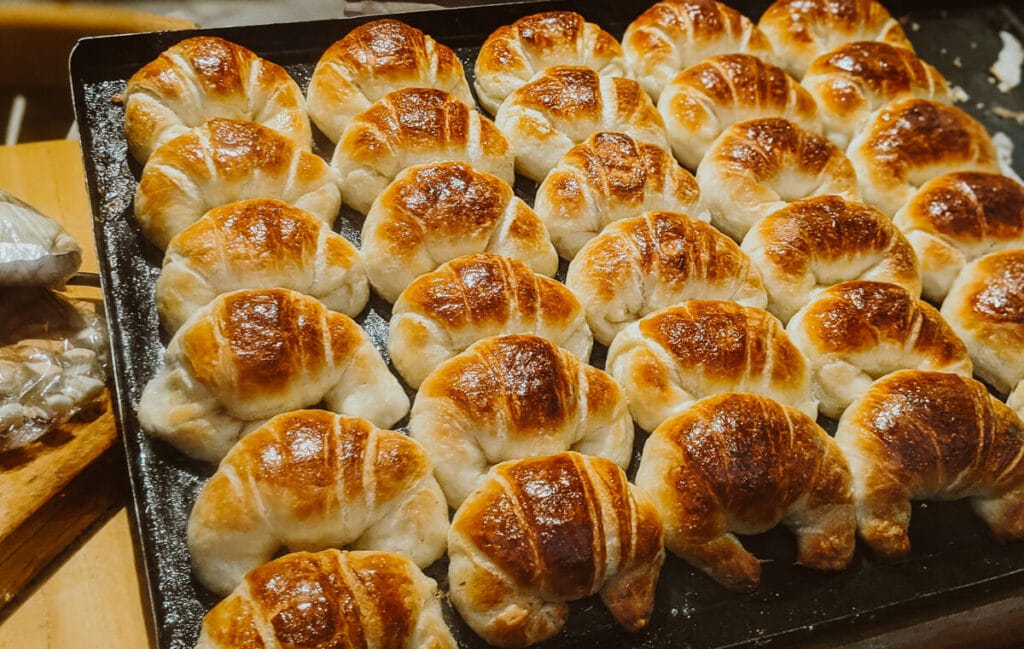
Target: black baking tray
954, 564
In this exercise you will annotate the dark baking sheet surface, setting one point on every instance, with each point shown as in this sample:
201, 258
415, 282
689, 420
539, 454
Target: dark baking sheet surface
954, 563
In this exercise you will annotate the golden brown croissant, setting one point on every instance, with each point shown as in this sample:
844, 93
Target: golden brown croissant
607, 177
565, 105
802, 30
205, 77
258, 243
932, 435
253, 354
409, 127
909, 142
985, 307
544, 531
672, 35
680, 354
956, 218
740, 463
854, 80
511, 397
330, 599
514, 53
854, 332
708, 97
372, 60
476, 296
436, 212
759, 166
818, 242
224, 161
658, 259
310, 480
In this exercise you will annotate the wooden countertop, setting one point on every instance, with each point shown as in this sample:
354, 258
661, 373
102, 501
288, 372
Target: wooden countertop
90, 596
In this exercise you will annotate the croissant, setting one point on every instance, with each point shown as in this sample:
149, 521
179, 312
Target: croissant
759, 166
544, 531
931, 435
678, 355
672, 35
205, 77
259, 243
818, 242
640, 265
330, 599
708, 97
956, 218
802, 30
565, 105
311, 479
855, 332
372, 60
436, 212
473, 297
253, 354
607, 177
854, 80
511, 397
911, 141
225, 161
413, 126
514, 53
985, 307
743, 463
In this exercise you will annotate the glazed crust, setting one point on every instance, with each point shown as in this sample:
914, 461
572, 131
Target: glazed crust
544, 531
818, 242
639, 265
854, 80
258, 243
708, 97
510, 397
802, 30
312, 479
909, 142
855, 332
514, 54
413, 126
330, 599
607, 177
675, 356
204, 77
950, 440
956, 218
674, 34
759, 166
985, 307
473, 297
224, 161
372, 60
743, 463
434, 213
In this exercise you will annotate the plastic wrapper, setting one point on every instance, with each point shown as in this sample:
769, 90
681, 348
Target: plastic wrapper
34, 249
53, 362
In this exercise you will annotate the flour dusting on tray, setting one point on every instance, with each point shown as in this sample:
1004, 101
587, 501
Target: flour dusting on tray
1008, 64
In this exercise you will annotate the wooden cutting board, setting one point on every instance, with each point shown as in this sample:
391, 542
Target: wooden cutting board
52, 490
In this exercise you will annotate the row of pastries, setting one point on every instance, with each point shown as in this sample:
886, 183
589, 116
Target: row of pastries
832, 181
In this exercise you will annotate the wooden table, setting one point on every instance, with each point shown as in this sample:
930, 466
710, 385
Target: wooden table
90, 597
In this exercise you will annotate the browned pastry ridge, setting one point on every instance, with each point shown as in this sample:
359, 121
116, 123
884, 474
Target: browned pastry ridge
341, 600
932, 435
204, 77
372, 60
741, 463
544, 531
674, 34
956, 218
